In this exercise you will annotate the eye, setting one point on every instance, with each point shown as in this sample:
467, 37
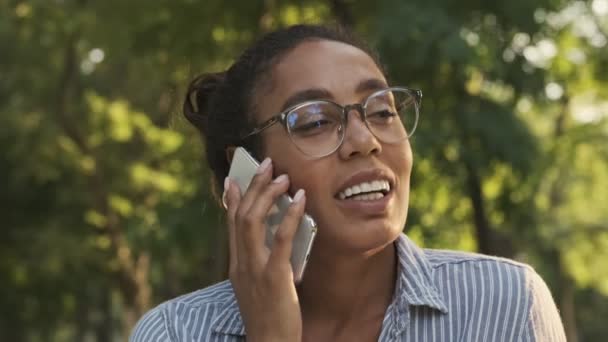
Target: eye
313, 119
311, 126
381, 116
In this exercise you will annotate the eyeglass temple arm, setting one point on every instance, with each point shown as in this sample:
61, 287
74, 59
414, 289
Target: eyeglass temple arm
418, 95
417, 99
263, 126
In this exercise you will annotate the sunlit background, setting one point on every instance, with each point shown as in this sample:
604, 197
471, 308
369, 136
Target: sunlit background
106, 206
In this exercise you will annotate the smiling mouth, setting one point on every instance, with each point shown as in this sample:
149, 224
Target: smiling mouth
366, 191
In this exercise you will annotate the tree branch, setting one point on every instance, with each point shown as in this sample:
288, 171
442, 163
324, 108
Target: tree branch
132, 274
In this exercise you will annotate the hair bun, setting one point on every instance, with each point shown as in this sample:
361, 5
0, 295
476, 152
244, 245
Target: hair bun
198, 98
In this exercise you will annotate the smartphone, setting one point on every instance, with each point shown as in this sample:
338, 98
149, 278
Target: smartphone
242, 170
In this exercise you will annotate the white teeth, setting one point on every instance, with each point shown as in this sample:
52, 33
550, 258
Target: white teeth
366, 187
374, 184
368, 197
371, 189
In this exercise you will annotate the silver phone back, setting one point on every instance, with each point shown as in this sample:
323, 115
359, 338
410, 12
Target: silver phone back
242, 170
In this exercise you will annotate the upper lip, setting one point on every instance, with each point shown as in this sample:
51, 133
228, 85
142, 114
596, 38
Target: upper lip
366, 176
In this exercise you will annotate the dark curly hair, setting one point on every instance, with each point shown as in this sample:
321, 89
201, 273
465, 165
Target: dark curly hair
221, 105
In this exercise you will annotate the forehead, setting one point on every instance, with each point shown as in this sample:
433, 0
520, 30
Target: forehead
319, 64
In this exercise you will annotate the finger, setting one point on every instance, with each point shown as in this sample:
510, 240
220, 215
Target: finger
254, 235
283, 238
262, 177
231, 196
248, 226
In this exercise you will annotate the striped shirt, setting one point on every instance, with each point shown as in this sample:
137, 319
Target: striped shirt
439, 296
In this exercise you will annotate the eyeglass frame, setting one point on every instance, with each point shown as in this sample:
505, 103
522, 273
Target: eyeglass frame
359, 107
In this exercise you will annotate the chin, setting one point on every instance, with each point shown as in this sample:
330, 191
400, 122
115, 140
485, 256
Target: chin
359, 237
376, 237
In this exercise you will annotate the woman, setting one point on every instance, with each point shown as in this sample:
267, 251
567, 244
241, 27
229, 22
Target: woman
349, 166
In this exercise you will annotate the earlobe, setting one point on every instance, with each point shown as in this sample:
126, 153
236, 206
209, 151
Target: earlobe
230, 153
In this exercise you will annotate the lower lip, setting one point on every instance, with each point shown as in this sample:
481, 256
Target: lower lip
367, 207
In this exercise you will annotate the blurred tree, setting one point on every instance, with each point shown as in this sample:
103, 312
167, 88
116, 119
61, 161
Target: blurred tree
106, 207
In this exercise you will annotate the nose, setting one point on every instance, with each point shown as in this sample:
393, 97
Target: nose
358, 139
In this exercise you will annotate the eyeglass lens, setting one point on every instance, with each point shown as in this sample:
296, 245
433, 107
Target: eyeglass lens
317, 128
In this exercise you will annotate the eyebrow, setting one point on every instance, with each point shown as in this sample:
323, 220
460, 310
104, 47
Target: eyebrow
306, 95
320, 93
371, 84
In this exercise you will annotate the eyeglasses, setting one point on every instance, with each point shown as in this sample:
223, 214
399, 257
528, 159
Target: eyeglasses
317, 127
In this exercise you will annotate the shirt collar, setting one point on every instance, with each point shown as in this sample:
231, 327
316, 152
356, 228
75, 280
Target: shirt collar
229, 320
414, 286
415, 283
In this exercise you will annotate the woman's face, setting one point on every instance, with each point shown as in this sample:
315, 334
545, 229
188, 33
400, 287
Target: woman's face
323, 69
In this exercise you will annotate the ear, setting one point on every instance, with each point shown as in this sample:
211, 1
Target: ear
230, 153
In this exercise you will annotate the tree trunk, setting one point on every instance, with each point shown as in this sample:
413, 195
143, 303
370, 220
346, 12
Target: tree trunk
482, 226
103, 329
133, 271
567, 307
566, 289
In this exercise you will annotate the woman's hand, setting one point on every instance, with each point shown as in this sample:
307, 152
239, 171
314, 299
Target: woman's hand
263, 279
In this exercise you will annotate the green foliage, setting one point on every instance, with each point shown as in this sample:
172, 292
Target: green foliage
107, 208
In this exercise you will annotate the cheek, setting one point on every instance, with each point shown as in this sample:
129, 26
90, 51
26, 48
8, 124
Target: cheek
311, 178
401, 165
288, 160
401, 160
406, 164
314, 178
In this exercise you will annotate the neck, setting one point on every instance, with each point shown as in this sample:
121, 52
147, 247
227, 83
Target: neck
340, 287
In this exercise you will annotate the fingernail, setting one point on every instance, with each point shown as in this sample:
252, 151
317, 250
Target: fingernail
299, 195
226, 185
264, 166
280, 179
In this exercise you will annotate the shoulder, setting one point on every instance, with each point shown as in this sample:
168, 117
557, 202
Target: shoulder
473, 272
444, 257
501, 291
492, 270
461, 265
179, 318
